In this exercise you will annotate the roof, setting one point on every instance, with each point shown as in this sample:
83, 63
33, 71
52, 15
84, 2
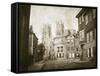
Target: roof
83, 10
35, 36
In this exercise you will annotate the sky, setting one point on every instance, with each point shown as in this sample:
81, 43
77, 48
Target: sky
41, 15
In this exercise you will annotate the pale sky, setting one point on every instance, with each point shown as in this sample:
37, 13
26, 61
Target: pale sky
41, 15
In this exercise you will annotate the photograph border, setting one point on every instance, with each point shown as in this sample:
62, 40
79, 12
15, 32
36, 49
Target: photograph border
15, 35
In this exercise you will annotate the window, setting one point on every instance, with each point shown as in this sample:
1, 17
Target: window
70, 55
60, 55
72, 41
76, 49
90, 16
94, 13
87, 36
68, 48
58, 49
73, 55
82, 35
95, 33
68, 41
91, 35
90, 52
86, 19
61, 48
80, 20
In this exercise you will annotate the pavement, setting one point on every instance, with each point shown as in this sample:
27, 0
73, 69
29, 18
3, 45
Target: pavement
36, 66
59, 64
64, 64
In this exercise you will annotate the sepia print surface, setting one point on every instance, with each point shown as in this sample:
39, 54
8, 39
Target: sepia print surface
57, 38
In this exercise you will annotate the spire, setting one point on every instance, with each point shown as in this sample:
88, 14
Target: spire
59, 28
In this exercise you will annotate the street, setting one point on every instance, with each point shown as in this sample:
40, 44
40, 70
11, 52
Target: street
60, 64
64, 64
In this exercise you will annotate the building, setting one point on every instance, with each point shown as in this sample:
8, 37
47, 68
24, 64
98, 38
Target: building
59, 28
73, 51
46, 39
59, 47
31, 41
70, 46
23, 37
66, 46
78, 51
33, 45
40, 52
87, 29
35, 48
52, 52
66, 32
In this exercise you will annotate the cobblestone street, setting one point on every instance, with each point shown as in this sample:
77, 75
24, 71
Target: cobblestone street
60, 64
64, 64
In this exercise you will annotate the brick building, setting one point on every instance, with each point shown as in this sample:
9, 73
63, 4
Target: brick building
67, 46
73, 51
23, 37
33, 45
87, 23
59, 47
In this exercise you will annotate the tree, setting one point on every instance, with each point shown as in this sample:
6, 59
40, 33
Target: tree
41, 49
